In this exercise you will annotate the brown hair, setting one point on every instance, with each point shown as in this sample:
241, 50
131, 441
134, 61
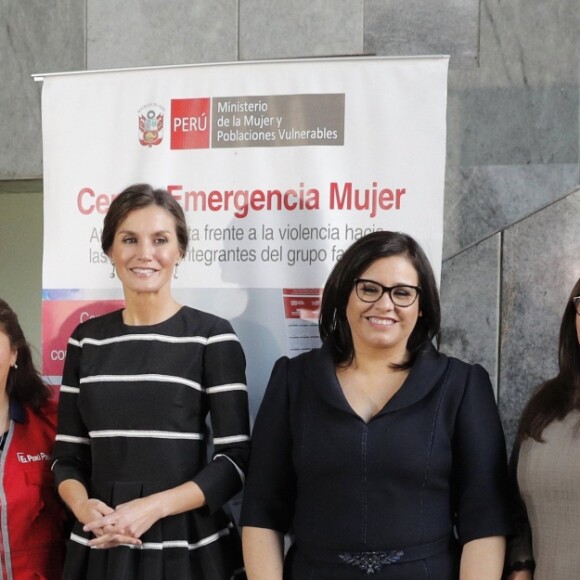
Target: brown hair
139, 196
555, 398
24, 383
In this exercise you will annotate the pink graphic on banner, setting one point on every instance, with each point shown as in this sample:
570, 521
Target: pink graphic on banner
59, 319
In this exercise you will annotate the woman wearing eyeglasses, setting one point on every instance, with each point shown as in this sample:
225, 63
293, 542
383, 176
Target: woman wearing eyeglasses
545, 468
374, 448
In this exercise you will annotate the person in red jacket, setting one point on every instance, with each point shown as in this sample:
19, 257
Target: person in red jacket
32, 518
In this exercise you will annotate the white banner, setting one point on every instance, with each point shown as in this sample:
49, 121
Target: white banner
279, 167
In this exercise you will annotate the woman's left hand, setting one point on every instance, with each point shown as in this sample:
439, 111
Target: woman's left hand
127, 523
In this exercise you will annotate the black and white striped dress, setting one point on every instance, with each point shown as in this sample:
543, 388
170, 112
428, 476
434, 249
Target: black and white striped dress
132, 422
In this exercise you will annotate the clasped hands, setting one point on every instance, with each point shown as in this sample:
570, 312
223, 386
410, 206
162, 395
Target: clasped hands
123, 525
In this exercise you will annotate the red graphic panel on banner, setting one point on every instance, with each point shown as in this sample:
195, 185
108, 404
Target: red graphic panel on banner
190, 123
301, 310
302, 303
59, 319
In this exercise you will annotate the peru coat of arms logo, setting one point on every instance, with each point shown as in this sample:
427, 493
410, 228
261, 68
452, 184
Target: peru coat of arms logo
151, 124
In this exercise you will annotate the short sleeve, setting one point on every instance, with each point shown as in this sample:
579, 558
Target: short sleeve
271, 485
479, 463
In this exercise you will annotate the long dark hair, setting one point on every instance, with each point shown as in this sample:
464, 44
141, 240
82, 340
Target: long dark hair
333, 324
555, 398
24, 383
139, 196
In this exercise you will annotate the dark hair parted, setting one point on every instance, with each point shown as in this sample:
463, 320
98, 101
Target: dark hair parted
555, 398
139, 196
333, 324
24, 383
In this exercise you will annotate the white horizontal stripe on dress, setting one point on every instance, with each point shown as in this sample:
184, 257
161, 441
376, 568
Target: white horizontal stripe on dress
72, 439
139, 378
156, 337
144, 433
79, 539
230, 439
74, 342
225, 388
183, 543
67, 389
222, 338
164, 545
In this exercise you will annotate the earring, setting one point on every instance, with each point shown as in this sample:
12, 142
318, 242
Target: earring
112, 274
14, 366
175, 272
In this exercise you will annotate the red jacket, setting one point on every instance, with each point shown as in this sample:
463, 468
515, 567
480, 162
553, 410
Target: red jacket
31, 515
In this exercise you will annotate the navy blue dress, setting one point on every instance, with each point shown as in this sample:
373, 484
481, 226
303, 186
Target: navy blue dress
397, 496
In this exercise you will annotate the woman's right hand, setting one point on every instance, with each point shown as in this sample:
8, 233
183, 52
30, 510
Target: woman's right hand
91, 509
85, 509
107, 536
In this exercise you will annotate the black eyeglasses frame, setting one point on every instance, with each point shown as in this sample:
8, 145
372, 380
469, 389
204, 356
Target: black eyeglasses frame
388, 290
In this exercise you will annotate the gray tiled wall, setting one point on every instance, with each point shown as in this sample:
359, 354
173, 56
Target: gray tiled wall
35, 37
416, 27
470, 285
512, 197
136, 33
541, 263
302, 28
